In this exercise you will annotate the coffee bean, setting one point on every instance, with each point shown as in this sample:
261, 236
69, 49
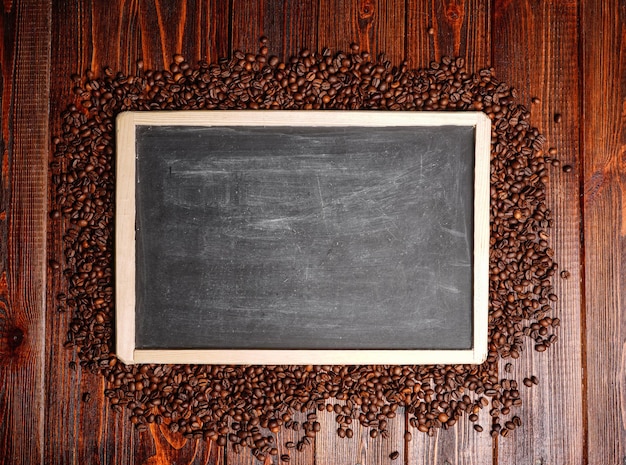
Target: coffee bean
558, 117
567, 168
394, 455
222, 403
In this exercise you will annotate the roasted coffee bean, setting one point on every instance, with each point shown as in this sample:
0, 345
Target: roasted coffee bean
238, 403
394, 455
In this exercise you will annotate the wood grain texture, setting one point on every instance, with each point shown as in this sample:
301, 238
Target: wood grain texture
438, 28
376, 26
532, 44
604, 182
66, 415
361, 449
162, 447
78, 431
288, 26
535, 50
25, 92
459, 445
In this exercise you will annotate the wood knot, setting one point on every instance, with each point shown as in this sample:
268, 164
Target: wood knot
15, 337
454, 14
366, 9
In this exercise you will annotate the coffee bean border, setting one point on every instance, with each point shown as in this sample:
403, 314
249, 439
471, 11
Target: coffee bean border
246, 405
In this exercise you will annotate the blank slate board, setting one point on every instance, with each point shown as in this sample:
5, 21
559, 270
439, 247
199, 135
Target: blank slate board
302, 237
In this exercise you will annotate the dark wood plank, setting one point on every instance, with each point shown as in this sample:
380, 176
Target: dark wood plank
604, 180
289, 27
74, 427
25, 93
118, 33
376, 26
457, 445
253, 19
84, 432
361, 448
535, 50
160, 447
237, 455
448, 28
91, 35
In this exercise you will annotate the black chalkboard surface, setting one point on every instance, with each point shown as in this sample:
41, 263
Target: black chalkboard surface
333, 238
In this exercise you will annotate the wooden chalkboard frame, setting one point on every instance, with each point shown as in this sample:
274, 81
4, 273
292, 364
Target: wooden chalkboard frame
125, 230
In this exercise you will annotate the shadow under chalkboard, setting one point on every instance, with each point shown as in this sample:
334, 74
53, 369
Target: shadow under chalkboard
304, 237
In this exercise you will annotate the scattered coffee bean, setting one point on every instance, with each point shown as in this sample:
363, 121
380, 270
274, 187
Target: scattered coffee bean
567, 168
394, 455
243, 403
558, 117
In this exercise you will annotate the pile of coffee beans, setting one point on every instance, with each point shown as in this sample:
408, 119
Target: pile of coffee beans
246, 405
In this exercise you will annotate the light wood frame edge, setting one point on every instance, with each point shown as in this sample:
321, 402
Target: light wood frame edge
482, 229
125, 236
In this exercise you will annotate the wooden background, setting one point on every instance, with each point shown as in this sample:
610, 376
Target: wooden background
571, 54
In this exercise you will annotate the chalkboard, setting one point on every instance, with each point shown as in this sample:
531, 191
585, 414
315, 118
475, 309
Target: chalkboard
302, 237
